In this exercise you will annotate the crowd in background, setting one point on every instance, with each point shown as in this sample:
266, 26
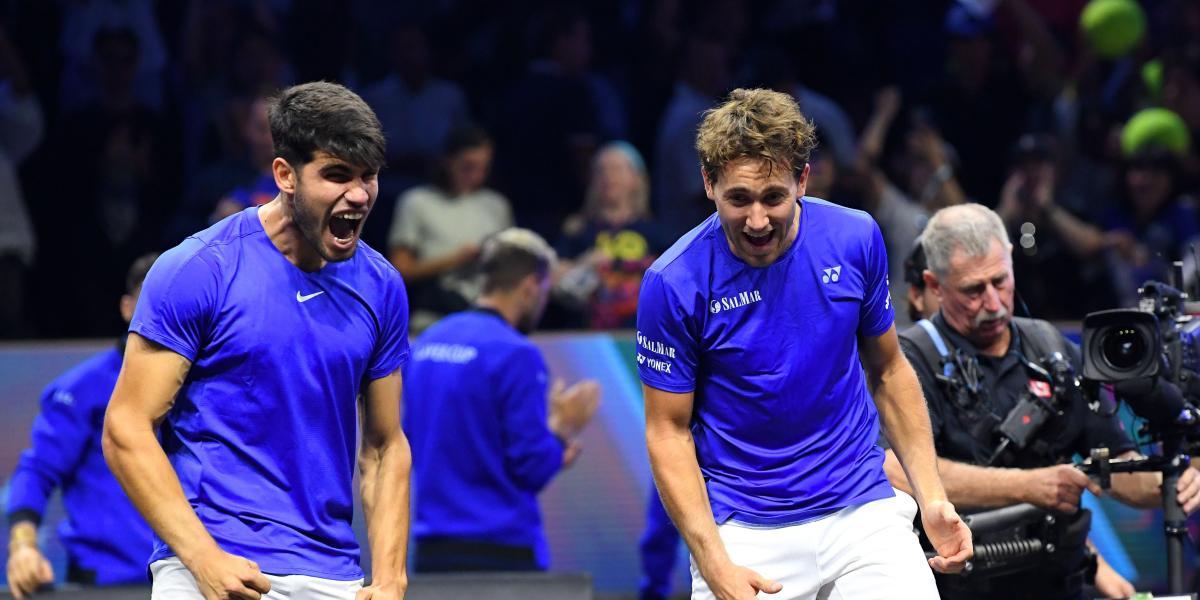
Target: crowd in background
126, 125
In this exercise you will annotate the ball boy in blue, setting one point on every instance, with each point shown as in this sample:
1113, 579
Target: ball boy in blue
106, 540
251, 345
759, 418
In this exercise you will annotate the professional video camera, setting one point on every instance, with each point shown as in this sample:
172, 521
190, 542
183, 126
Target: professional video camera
1150, 356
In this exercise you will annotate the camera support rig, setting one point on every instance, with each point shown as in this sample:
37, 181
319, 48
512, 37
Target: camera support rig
1171, 463
1151, 356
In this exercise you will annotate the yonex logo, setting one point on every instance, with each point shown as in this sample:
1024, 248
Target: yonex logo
662, 366
832, 274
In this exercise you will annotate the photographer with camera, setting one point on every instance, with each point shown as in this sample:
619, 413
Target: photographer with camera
982, 371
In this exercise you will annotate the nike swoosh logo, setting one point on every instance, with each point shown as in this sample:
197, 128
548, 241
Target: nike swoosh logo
300, 298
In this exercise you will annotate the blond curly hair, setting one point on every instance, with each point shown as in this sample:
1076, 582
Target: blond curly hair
755, 123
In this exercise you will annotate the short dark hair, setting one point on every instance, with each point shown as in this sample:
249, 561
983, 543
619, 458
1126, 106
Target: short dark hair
137, 272
914, 266
327, 117
510, 256
464, 137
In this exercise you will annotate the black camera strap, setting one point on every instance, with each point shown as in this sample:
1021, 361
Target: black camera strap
1043, 339
957, 371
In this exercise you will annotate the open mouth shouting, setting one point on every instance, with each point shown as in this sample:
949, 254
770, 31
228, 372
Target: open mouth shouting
345, 228
759, 241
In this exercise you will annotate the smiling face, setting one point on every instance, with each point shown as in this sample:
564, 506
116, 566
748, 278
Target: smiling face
757, 203
329, 200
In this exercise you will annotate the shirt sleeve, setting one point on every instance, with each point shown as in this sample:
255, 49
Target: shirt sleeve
532, 454
61, 435
392, 346
666, 349
178, 300
877, 314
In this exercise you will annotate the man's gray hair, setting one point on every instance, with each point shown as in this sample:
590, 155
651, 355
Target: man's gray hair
512, 254
970, 227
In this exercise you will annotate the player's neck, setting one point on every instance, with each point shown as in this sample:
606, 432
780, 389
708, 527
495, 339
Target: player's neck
507, 305
281, 228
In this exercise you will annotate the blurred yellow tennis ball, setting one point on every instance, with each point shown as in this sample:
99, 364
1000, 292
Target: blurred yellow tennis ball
1155, 127
1152, 77
1113, 27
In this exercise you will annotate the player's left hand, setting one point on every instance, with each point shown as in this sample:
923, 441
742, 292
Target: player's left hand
1188, 490
386, 591
950, 537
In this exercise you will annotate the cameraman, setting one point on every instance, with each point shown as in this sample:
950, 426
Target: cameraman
994, 362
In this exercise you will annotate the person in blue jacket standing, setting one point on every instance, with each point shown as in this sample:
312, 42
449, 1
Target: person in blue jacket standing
487, 431
106, 540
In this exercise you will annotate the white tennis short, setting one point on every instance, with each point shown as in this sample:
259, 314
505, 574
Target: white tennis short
865, 552
172, 581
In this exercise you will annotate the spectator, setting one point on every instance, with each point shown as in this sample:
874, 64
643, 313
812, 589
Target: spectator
823, 173
83, 21
238, 169
1152, 225
610, 245
927, 170
549, 124
1053, 279
122, 187
978, 81
418, 111
922, 302
20, 132
252, 65
777, 71
650, 56
1149, 228
255, 129
703, 75
437, 229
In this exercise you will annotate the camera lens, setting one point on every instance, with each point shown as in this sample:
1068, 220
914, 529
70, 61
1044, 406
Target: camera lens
1123, 347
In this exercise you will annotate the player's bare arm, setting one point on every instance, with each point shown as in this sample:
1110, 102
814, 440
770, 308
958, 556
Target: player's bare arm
905, 420
150, 378
385, 462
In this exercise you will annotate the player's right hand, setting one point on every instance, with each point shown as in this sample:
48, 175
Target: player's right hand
27, 571
733, 582
1057, 488
224, 576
